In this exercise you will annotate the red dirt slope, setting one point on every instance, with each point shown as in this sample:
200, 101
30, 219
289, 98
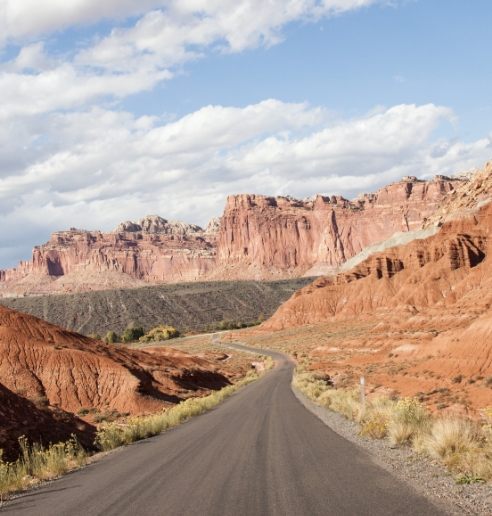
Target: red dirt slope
74, 371
21, 417
428, 300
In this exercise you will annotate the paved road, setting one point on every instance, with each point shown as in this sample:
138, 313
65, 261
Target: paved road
260, 453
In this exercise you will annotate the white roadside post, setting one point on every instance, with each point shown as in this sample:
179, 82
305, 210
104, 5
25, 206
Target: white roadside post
362, 391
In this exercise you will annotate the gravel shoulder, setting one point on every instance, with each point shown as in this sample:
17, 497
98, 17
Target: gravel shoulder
425, 475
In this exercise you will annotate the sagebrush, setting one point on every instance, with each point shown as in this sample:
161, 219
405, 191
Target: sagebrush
462, 444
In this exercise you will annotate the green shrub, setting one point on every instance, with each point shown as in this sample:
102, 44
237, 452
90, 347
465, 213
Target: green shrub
94, 336
111, 337
224, 325
132, 334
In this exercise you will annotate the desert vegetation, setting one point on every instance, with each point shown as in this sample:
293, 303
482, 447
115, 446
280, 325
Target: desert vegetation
111, 337
132, 334
463, 445
160, 333
37, 463
113, 435
137, 333
234, 325
183, 306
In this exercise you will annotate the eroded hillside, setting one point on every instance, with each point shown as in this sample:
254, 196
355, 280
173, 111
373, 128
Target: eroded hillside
414, 318
186, 305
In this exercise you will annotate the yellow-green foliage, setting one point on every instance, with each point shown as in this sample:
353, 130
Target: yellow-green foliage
37, 463
160, 333
409, 421
377, 427
463, 446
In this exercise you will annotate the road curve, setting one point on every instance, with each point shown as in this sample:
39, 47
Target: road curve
259, 453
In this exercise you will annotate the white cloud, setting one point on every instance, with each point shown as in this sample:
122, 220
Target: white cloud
165, 37
62, 86
134, 59
95, 169
28, 18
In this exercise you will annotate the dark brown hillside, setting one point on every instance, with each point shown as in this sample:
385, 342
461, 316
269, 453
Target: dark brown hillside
21, 417
185, 305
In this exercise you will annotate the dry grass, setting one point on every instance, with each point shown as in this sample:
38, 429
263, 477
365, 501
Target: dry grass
463, 445
113, 435
37, 463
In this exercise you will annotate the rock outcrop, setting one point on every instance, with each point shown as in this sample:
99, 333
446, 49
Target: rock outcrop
428, 301
257, 238
152, 250
263, 236
153, 224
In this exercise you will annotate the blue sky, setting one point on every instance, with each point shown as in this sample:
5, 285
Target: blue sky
114, 110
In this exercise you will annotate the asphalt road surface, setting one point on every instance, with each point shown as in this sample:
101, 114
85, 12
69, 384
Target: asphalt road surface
259, 453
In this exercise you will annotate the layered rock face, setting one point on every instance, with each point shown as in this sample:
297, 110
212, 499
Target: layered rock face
47, 374
257, 238
429, 304
263, 236
39, 359
152, 250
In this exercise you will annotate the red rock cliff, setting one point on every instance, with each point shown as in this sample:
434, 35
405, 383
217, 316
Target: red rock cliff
78, 260
281, 236
259, 238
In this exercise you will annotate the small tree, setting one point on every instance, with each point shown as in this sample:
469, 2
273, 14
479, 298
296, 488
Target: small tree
95, 336
131, 334
223, 325
160, 333
111, 337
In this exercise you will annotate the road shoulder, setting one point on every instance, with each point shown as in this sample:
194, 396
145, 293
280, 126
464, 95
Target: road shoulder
424, 475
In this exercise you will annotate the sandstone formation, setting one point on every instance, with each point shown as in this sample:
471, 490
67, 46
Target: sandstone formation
257, 238
261, 237
70, 371
153, 224
152, 250
428, 304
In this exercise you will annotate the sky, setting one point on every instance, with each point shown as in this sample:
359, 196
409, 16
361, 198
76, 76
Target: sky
112, 110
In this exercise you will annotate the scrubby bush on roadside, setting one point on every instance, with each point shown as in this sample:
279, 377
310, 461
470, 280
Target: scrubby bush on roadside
160, 333
233, 325
132, 334
111, 337
94, 336
463, 445
112, 435
38, 463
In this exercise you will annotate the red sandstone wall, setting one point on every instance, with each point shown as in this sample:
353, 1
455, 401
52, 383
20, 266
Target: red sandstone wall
259, 238
286, 233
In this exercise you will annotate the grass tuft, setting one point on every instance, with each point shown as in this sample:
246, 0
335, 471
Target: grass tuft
462, 445
37, 463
